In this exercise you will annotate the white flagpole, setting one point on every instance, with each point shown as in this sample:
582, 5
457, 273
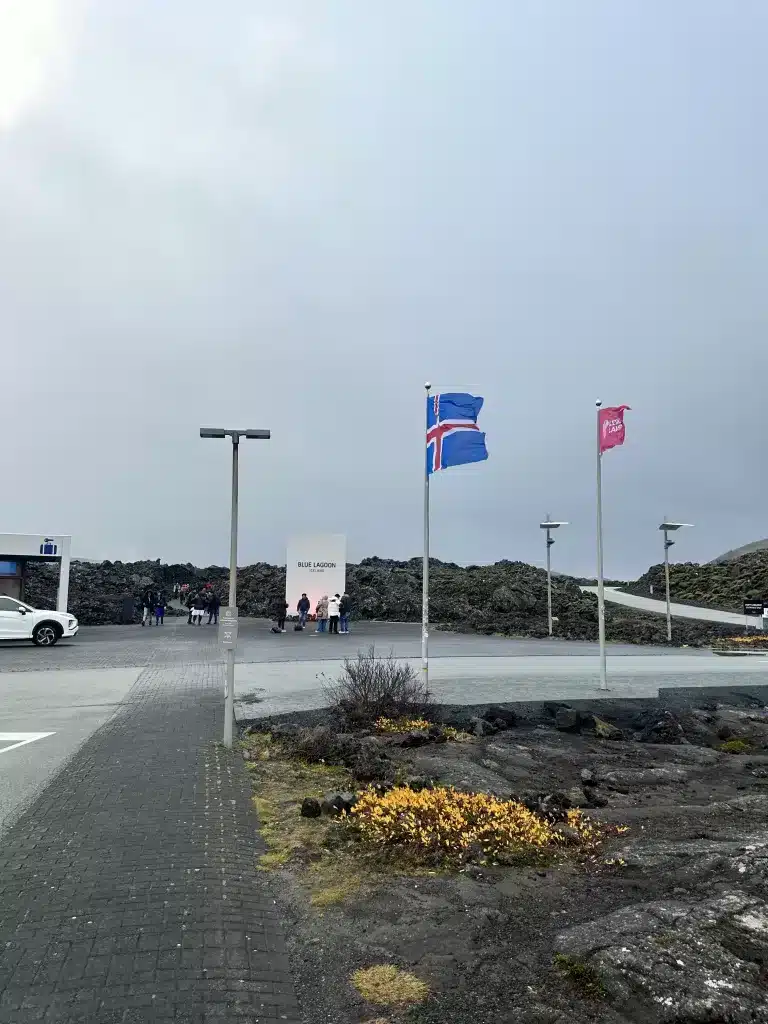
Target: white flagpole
600, 584
425, 568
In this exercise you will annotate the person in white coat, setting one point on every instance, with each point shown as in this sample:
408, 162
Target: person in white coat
333, 614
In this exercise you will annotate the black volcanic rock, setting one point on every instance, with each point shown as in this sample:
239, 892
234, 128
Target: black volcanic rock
508, 598
723, 585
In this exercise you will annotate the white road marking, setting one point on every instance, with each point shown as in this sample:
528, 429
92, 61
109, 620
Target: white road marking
19, 739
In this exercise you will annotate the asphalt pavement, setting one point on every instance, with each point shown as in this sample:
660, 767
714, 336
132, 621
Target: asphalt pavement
44, 719
53, 699
279, 687
70, 690
114, 646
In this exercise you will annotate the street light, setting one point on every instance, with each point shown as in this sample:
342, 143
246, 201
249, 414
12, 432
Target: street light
259, 435
549, 525
667, 527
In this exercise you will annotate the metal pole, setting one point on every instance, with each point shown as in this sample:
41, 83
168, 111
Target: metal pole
666, 582
425, 574
600, 584
550, 542
229, 703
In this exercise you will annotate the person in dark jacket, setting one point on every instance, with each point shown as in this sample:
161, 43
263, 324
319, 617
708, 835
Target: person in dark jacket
190, 602
213, 609
160, 609
303, 609
198, 608
279, 609
345, 607
148, 602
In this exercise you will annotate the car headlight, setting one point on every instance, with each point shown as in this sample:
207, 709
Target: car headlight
71, 623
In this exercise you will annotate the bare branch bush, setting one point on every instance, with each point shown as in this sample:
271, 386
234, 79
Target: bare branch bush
371, 686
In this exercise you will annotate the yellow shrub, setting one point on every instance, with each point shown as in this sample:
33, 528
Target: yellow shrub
401, 724
457, 735
444, 825
753, 640
409, 724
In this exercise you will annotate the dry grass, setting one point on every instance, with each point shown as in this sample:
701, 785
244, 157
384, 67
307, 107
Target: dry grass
386, 985
280, 785
336, 879
326, 861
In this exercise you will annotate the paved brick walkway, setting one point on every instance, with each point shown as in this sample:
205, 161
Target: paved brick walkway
128, 892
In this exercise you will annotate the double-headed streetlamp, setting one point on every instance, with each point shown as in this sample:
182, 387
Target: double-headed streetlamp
549, 525
259, 435
667, 528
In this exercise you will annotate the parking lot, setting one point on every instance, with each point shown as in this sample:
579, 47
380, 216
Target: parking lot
44, 719
67, 692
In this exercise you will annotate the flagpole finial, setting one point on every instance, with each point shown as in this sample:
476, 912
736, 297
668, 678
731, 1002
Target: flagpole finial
427, 386
598, 403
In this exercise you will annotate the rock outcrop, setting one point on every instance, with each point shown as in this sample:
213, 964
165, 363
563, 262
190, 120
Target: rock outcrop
679, 960
507, 597
724, 585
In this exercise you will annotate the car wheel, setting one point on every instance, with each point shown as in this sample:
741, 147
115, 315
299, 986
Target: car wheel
45, 635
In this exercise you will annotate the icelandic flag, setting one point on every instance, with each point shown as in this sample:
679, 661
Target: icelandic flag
453, 436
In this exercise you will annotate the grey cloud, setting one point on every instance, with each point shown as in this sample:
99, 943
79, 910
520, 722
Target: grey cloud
291, 214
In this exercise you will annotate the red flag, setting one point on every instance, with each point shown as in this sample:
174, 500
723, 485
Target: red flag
611, 427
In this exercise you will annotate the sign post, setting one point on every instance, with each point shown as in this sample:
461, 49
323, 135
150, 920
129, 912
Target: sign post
228, 627
755, 608
228, 641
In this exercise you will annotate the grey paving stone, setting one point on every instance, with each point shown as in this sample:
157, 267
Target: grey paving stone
128, 890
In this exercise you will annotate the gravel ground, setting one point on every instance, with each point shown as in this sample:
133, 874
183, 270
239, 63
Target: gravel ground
485, 939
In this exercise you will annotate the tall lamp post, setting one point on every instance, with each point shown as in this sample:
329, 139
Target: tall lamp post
259, 435
549, 525
667, 528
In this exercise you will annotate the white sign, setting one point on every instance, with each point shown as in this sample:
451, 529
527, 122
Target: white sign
316, 565
228, 627
34, 545
41, 545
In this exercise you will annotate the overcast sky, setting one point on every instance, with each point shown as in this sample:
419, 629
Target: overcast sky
291, 213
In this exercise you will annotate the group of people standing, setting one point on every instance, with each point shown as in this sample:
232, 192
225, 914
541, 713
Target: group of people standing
199, 604
330, 612
152, 604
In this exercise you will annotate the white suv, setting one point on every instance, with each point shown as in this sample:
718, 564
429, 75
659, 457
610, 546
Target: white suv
18, 621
